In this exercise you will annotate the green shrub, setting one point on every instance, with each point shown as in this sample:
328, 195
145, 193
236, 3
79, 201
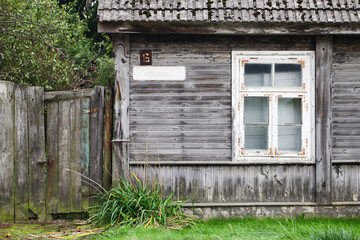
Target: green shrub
138, 205
334, 234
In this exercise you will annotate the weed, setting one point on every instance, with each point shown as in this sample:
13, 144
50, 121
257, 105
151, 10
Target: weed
138, 205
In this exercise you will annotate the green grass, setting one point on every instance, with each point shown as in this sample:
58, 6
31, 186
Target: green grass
248, 228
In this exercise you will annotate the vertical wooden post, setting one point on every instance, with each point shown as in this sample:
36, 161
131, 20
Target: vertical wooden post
6, 151
37, 163
120, 158
107, 139
324, 50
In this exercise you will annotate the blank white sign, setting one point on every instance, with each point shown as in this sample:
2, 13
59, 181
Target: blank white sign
159, 73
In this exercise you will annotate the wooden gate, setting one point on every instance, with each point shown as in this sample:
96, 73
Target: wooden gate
74, 142
50, 145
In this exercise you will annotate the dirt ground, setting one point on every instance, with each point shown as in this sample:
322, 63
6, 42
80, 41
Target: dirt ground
57, 229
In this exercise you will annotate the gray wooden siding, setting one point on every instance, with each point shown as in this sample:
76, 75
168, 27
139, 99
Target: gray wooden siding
346, 120
346, 99
235, 184
190, 120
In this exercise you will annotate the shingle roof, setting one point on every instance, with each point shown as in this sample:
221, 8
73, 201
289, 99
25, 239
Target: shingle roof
286, 11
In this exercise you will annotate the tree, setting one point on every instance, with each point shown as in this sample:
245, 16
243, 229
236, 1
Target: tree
44, 44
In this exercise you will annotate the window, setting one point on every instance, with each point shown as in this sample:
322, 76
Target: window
273, 106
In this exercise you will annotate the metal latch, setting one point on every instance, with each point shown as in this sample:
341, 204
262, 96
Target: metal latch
92, 110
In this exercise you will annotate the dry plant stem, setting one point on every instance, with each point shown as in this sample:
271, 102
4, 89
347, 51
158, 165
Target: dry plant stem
88, 179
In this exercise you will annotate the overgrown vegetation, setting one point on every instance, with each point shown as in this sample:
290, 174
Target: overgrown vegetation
48, 43
247, 228
138, 203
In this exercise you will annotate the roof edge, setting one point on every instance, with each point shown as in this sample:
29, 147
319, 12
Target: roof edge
229, 28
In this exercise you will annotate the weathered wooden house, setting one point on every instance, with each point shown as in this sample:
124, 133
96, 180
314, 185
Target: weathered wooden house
251, 107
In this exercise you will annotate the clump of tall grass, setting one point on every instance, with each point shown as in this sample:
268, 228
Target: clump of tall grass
334, 234
139, 204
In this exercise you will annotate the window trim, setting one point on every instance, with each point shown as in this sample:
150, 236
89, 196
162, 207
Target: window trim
306, 92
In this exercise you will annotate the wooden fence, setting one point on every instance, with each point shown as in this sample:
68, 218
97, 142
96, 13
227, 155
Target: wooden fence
47, 141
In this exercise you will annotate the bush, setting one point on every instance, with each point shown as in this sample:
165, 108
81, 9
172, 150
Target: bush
334, 234
138, 205
43, 44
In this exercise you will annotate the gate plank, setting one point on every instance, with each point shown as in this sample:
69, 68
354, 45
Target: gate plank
85, 155
75, 190
107, 139
64, 157
6, 151
52, 141
96, 138
21, 153
36, 151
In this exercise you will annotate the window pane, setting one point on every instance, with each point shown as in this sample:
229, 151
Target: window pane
257, 75
288, 75
256, 110
289, 110
289, 138
256, 137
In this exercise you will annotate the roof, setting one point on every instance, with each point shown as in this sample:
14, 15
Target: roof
236, 11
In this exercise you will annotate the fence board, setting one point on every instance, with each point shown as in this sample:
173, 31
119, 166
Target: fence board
85, 151
64, 156
75, 188
21, 154
52, 141
36, 151
6, 151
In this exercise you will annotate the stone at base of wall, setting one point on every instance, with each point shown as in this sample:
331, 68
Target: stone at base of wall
274, 211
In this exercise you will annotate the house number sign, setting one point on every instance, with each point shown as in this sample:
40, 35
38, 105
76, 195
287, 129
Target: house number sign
145, 57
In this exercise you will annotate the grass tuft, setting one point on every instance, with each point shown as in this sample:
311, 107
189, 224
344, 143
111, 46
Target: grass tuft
139, 205
334, 234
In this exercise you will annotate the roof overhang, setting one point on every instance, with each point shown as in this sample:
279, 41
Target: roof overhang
228, 28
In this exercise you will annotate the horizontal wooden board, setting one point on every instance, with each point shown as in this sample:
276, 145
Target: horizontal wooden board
346, 111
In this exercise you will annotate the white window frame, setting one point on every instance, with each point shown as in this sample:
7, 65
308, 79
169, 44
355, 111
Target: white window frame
306, 92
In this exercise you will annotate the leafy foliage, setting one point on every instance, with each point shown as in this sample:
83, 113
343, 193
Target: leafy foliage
44, 44
138, 205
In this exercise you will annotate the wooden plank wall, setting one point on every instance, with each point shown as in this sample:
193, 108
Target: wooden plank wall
214, 184
346, 120
191, 120
22, 152
185, 125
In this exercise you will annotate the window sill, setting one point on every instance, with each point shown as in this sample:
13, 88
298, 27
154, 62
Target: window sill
226, 163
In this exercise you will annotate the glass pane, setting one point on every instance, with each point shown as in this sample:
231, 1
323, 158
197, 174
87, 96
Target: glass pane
256, 137
288, 75
289, 110
289, 138
256, 110
257, 75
